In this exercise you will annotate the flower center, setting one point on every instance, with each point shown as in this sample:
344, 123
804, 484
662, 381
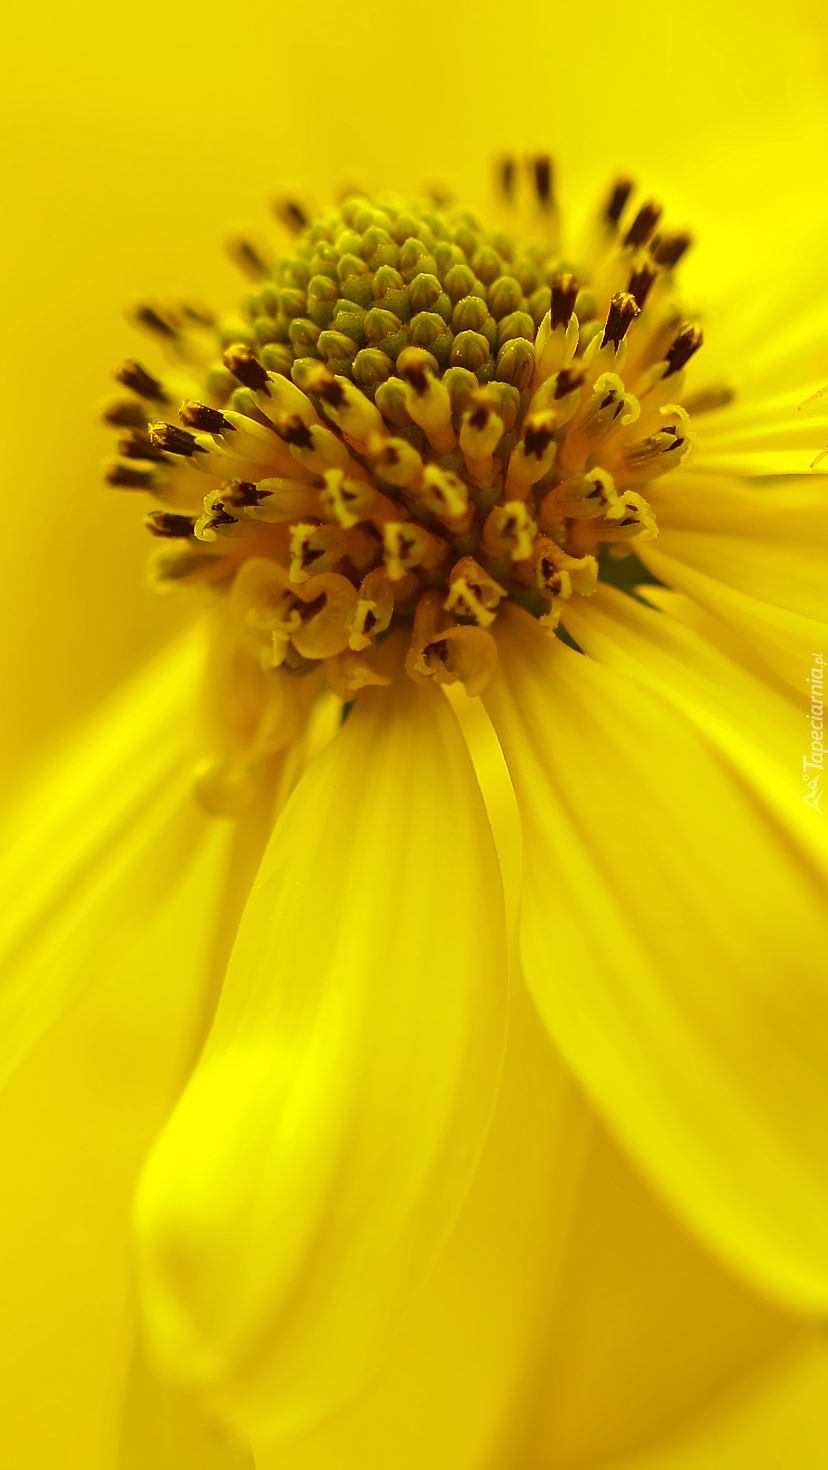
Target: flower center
413, 421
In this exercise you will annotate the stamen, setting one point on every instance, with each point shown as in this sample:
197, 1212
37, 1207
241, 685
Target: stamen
509, 531
373, 611
314, 549
174, 440
644, 224
621, 191
128, 477
622, 312
640, 285
688, 341
290, 213
152, 321
243, 365
473, 593
668, 251
407, 545
564, 295
198, 416
164, 523
139, 446
124, 413
542, 172
133, 376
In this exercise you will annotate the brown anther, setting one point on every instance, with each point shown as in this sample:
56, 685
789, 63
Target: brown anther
479, 417
640, 285
124, 413
332, 393
242, 493
127, 477
506, 178
164, 523
240, 361
622, 311
138, 445
173, 439
247, 258
568, 380
416, 377
644, 224
668, 250
147, 317
133, 376
295, 431
290, 214
537, 437
621, 191
542, 174
688, 341
564, 296
198, 416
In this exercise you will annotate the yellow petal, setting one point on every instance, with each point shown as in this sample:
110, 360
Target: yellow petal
647, 1328
672, 932
459, 1387
76, 1120
753, 556
93, 846
329, 1134
569, 1317
165, 1428
776, 1419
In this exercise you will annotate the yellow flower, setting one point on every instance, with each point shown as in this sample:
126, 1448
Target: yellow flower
384, 1225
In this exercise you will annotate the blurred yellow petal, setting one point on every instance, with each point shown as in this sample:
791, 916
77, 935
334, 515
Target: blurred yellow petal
332, 1126
671, 940
567, 1295
165, 1428
76, 1121
777, 1419
459, 1386
92, 850
647, 1328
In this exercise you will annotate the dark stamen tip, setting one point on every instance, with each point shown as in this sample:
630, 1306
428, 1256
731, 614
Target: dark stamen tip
568, 380
239, 360
133, 376
564, 296
640, 285
198, 416
623, 310
164, 523
669, 250
688, 342
290, 214
542, 175
173, 439
621, 191
147, 317
644, 224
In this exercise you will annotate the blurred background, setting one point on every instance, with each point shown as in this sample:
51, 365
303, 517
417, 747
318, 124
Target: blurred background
137, 139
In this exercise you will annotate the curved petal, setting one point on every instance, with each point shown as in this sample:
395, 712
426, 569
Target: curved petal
76, 1120
92, 848
565, 1281
330, 1132
647, 1328
164, 1428
458, 1389
778, 1417
673, 929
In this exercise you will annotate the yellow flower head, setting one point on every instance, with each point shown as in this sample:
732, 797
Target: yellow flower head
414, 422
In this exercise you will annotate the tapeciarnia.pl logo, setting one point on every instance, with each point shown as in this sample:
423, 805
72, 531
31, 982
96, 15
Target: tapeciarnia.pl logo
816, 763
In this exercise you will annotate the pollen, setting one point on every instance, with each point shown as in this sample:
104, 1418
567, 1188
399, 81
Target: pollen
412, 405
